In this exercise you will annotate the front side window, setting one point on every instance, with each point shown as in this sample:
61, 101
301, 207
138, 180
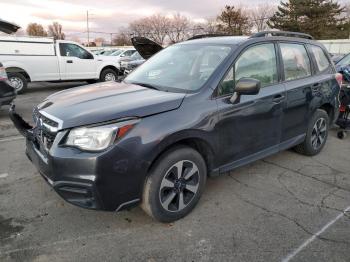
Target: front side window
185, 67
72, 50
257, 62
295, 61
320, 57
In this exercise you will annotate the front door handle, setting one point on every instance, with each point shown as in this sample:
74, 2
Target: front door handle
278, 99
69, 61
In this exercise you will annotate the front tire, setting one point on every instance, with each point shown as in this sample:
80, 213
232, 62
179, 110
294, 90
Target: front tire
175, 184
108, 75
18, 81
316, 135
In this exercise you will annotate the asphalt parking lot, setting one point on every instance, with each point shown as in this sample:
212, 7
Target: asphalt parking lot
286, 207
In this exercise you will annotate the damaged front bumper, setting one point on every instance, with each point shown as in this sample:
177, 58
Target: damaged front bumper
100, 181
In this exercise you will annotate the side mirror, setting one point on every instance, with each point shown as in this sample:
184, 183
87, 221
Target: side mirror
248, 86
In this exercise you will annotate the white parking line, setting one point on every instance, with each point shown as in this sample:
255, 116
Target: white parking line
13, 138
311, 239
3, 175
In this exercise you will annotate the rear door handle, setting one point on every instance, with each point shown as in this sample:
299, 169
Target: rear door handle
69, 61
278, 99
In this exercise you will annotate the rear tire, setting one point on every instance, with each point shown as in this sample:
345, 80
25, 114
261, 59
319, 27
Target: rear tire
175, 184
108, 75
316, 135
18, 81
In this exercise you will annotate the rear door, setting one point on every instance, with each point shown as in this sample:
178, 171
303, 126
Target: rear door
303, 84
76, 62
250, 125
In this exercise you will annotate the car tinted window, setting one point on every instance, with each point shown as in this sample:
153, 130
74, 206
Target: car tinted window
295, 61
73, 50
257, 62
320, 57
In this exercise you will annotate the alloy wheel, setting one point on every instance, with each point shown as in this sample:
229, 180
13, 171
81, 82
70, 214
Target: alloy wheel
179, 186
319, 132
110, 77
17, 83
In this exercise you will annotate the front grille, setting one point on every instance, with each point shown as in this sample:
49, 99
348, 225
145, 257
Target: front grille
43, 130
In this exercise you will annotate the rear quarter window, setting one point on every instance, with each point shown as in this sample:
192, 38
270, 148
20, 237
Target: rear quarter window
321, 59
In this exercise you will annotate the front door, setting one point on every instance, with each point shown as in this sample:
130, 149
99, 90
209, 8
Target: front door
76, 63
250, 125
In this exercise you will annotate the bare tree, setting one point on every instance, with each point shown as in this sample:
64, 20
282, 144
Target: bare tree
179, 26
210, 26
155, 27
123, 38
100, 41
55, 31
259, 16
34, 29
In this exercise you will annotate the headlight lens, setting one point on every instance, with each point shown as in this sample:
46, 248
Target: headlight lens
99, 137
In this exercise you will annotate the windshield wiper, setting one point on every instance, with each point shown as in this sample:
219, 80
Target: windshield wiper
145, 85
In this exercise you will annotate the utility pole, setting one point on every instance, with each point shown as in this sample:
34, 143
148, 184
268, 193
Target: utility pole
87, 27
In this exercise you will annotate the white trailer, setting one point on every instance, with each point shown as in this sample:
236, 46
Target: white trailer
28, 59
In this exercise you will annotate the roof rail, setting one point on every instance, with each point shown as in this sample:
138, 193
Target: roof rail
282, 33
205, 36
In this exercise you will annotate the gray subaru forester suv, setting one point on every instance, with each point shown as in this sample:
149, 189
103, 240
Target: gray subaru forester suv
195, 109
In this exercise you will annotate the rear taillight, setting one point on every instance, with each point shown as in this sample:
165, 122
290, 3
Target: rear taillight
3, 75
339, 78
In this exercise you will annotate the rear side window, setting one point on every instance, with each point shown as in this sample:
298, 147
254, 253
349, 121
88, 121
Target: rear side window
257, 62
296, 62
320, 57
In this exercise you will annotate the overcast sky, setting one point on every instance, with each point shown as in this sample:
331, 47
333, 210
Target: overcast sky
106, 15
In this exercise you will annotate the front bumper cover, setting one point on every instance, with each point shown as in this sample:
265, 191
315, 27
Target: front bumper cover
88, 180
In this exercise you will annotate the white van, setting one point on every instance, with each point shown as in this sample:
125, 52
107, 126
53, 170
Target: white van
28, 59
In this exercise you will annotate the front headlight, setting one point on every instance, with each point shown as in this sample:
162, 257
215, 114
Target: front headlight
98, 138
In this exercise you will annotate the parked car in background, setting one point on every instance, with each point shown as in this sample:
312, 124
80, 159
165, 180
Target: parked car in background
195, 109
343, 67
7, 92
44, 59
336, 57
109, 52
125, 62
117, 55
129, 66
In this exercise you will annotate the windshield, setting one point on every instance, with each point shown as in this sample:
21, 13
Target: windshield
115, 53
186, 67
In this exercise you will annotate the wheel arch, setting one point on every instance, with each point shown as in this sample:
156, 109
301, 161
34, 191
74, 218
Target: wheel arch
14, 69
329, 108
114, 68
195, 142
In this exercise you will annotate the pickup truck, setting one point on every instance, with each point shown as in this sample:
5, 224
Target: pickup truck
28, 59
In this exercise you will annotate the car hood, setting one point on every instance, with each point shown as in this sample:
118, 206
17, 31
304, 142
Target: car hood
8, 27
145, 46
107, 101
